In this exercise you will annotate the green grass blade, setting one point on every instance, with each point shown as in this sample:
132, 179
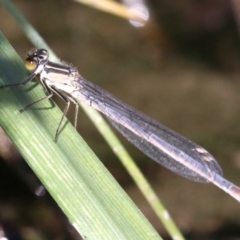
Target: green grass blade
77, 180
109, 136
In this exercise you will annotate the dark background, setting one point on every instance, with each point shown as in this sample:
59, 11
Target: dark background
181, 69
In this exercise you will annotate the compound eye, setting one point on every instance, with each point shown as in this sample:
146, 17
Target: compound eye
30, 64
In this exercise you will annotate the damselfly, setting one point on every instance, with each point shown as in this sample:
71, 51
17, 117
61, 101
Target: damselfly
163, 145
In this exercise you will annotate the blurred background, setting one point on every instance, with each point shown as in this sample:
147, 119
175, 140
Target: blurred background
181, 68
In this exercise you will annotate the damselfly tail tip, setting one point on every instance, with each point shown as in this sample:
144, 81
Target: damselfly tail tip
235, 192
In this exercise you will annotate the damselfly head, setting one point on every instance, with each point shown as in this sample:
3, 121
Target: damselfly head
35, 58
30, 64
